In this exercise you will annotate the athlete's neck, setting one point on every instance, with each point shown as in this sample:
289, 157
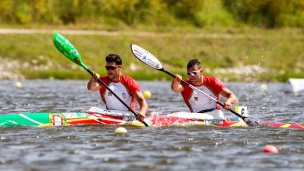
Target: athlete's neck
116, 79
199, 81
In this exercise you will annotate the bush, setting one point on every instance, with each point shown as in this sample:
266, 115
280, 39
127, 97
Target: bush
268, 13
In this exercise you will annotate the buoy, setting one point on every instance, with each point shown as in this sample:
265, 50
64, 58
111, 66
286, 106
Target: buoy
147, 94
121, 130
270, 149
18, 84
263, 87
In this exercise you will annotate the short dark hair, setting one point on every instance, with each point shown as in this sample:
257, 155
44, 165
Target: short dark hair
114, 58
194, 62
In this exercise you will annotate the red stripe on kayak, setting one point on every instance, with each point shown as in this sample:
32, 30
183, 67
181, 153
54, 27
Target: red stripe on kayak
283, 125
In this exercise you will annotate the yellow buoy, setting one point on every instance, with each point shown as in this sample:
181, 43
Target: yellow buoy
18, 84
121, 130
147, 94
263, 87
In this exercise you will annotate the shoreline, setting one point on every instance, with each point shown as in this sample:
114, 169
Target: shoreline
238, 56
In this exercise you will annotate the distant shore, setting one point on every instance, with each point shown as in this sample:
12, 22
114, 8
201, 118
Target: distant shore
232, 55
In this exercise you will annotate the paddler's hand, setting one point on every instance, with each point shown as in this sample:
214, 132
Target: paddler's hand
228, 104
95, 76
178, 78
140, 117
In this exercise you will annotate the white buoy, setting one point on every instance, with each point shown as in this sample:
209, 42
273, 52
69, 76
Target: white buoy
18, 84
147, 94
121, 130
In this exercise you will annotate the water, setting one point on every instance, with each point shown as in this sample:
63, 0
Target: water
168, 148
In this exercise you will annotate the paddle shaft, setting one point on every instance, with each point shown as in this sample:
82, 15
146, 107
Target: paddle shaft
191, 86
101, 82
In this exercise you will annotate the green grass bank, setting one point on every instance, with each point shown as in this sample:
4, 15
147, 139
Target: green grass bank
232, 54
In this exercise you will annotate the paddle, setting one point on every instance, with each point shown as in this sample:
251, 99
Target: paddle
68, 50
147, 58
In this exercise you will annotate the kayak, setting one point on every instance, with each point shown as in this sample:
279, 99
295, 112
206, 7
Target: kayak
107, 117
112, 117
64, 119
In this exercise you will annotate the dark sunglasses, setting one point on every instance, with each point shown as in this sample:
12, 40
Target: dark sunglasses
111, 67
193, 73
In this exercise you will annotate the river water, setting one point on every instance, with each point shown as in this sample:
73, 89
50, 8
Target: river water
166, 148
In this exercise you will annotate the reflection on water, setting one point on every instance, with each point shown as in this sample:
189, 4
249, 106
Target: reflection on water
170, 148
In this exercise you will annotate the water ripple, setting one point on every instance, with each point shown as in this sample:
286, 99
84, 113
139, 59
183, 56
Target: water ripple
169, 148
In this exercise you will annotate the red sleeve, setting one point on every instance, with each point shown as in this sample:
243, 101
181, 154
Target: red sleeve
106, 80
131, 85
187, 90
215, 84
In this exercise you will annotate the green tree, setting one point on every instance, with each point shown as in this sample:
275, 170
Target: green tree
6, 8
267, 13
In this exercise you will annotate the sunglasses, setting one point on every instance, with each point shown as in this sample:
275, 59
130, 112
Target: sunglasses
111, 67
193, 73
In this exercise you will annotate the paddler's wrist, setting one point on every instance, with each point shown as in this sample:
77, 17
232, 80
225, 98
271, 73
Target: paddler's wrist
94, 80
141, 114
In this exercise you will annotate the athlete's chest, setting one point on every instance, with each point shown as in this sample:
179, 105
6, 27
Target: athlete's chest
119, 89
200, 94
116, 86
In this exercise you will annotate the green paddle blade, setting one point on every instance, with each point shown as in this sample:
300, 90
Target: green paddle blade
67, 49
146, 57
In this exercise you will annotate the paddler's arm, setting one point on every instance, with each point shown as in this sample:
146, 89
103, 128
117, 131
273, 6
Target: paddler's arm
231, 98
142, 104
93, 84
176, 84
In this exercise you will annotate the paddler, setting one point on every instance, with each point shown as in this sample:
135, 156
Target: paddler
122, 85
198, 102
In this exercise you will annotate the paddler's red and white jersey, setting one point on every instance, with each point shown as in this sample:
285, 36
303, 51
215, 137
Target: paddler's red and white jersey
124, 89
197, 101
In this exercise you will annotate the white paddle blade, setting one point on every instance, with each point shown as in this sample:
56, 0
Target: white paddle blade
145, 57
